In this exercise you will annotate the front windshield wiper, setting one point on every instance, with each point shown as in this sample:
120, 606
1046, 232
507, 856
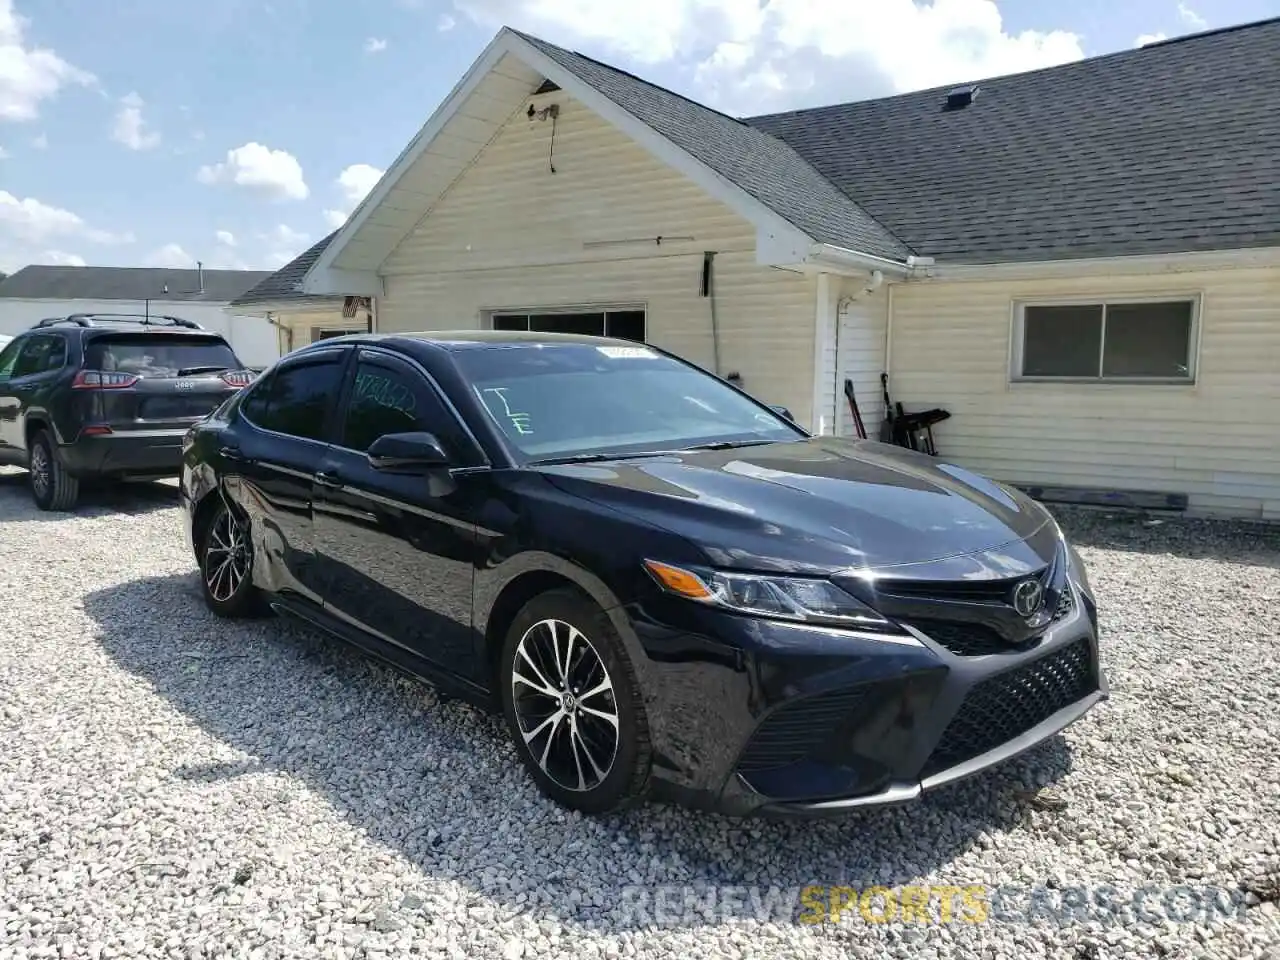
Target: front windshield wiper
730, 444
598, 457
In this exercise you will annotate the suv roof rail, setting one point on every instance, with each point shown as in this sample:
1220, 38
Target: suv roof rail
149, 320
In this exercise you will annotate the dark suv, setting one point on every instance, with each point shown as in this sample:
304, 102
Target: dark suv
107, 396
668, 588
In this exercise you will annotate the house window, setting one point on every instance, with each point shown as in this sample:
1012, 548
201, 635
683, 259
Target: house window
318, 334
1114, 340
626, 324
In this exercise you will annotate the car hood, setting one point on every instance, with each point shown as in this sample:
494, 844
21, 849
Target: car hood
818, 505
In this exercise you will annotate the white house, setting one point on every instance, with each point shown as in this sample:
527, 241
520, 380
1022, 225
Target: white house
203, 296
1081, 264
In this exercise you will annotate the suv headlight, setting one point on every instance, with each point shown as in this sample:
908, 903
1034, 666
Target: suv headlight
803, 599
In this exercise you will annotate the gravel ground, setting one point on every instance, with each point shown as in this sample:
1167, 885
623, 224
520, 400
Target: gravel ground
176, 786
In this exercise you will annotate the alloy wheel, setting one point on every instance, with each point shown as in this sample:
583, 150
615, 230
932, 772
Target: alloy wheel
40, 469
565, 706
226, 563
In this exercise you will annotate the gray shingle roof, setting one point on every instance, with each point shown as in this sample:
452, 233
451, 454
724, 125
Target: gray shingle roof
763, 166
1172, 147
285, 285
41, 282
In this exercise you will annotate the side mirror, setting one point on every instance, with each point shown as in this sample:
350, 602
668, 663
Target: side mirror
407, 453
782, 411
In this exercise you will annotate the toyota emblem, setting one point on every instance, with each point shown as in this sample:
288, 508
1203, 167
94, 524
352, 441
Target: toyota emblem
1028, 596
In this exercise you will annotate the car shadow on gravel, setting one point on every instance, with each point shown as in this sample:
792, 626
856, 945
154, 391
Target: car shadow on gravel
438, 781
1240, 542
96, 499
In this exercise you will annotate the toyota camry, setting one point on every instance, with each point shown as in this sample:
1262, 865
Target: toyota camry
666, 587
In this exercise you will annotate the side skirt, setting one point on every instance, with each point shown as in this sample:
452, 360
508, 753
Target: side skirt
407, 663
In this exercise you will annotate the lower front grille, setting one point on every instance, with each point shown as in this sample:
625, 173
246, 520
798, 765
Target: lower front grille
1009, 704
797, 729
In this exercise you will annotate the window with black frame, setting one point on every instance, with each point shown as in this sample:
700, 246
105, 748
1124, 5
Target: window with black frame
628, 324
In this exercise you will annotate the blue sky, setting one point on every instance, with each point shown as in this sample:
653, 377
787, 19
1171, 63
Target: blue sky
238, 131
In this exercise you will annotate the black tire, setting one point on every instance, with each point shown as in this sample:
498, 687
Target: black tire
52, 487
626, 778
225, 556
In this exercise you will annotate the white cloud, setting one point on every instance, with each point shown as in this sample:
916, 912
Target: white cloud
31, 222
171, 255
129, 127
354, 182
753, 56
275, 173
40, 142
446, 23
61, 259
4, 154
283, 244
375, 45
29, 75
226, 238
1190, 17
1146, 38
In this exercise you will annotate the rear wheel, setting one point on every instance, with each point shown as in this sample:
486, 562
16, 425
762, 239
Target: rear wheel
226, 566
572, 704
52, 487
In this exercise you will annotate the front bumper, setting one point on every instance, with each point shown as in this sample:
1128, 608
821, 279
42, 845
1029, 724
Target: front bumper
759, 717
133, 453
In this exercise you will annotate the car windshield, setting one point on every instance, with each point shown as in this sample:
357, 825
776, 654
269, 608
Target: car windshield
557, 401
159, 355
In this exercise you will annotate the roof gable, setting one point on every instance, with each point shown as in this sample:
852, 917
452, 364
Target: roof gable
285, 285
759, 176
56, 282
1174, 147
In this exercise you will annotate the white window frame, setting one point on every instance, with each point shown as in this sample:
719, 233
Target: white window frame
334, 330
489, 314
1017, 338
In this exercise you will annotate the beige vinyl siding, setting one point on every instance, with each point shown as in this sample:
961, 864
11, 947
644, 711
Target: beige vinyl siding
1216, 440
510, 234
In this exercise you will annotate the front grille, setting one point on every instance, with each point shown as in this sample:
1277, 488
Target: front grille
797, 729
177, 407
1005, 706
966, 639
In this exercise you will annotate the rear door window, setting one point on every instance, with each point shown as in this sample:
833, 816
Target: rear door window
159, 355
297, 399
41, 354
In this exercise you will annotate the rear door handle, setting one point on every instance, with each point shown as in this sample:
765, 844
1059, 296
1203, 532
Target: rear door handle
231, 454
328, 478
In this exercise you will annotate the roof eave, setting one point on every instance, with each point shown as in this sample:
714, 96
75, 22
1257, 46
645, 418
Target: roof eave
1176, 262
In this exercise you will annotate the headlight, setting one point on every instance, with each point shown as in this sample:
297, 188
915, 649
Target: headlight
805, 599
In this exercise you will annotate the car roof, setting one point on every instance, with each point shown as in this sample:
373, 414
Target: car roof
451, 340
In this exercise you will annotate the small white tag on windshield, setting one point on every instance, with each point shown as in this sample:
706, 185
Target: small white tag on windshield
627, 353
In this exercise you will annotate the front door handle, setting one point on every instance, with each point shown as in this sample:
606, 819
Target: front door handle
328, 478
231, 454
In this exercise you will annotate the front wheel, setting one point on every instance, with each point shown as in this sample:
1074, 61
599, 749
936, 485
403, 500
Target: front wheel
573, 706
226, 566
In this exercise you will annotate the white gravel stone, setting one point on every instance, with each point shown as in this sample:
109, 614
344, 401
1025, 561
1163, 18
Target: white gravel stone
172, 785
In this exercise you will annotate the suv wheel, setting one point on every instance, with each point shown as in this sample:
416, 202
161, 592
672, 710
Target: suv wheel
52, 487
226, 566
572, 704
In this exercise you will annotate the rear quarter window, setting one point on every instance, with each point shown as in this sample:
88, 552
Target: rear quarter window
159, 355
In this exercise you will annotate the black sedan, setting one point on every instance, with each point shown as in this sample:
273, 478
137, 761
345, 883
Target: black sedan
667, 587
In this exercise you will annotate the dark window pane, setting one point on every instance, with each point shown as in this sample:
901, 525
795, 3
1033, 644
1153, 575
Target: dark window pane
510, 321
158, 355
388, 400
626, 324
1061, 341
591, 324
9, 358
298, 398
330, 334
40, 354
1148, 340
